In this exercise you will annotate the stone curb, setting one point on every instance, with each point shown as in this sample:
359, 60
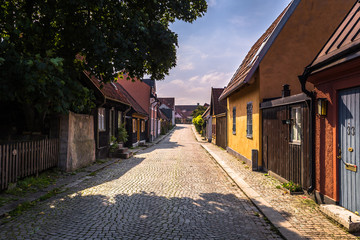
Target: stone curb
72, 180
284, 227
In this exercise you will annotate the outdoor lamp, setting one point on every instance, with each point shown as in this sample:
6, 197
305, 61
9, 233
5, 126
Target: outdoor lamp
322, 106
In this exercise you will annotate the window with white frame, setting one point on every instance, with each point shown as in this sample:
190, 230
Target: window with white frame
295, 131
249, 122
101, 119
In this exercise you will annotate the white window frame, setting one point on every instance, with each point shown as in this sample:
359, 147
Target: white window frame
296, 125
101, 119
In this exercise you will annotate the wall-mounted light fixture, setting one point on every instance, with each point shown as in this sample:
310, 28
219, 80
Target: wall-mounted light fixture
322, 106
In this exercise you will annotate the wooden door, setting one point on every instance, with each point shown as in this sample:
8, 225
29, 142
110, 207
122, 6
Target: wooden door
349, 148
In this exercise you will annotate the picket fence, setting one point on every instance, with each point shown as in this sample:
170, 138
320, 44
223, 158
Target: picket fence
22, 159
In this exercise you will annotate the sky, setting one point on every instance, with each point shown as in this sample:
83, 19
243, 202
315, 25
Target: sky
212, 48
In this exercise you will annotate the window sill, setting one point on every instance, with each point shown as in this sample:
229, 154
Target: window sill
249, 137
295, 143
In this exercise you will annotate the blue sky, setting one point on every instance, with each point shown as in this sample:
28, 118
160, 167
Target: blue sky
212, 48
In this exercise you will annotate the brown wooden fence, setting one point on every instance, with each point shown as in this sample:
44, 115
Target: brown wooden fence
18, 160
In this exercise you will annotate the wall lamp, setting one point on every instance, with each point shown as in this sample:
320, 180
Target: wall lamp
322, 106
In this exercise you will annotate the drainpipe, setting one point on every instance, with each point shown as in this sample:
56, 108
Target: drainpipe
303, 78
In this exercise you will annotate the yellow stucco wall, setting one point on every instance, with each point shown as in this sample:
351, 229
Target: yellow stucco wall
239, 142
303, 36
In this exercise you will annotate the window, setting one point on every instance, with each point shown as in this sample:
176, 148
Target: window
142, 126
234, 120
134, 125
101, 119
249, 126
295, 131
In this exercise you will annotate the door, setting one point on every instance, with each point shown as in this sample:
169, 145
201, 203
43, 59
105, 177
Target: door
349, 149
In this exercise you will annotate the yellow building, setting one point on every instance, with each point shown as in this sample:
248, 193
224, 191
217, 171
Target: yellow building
276, 59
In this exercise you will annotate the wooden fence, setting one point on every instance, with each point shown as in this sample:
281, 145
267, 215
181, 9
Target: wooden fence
18, 160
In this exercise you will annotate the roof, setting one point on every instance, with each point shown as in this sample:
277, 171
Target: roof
135, 105
186, 110
217, 106
162, 115
149, 82
170, 102
206, 113
109, 90
343, 45
251, 61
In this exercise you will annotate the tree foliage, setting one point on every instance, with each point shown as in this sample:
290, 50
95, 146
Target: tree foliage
198, 123
198, 111
40, 39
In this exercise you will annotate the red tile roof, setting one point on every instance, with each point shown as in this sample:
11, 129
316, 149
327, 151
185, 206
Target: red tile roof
344, 41
186, 110
251, 58
217, 106
170, 102
109, 90
135, 105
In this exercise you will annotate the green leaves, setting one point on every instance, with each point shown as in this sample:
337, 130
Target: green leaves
40, 39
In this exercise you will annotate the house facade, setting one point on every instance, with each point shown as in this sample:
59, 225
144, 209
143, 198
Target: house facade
218, 118
335, 73
109, 114
154, 120
275, 60
167, 106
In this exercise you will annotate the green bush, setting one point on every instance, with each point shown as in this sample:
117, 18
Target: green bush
122, 134
198, 123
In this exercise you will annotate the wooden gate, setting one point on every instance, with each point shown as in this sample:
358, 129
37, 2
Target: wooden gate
284, 152
221, 131
349, 148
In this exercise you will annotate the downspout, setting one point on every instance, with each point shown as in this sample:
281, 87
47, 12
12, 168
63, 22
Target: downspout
303, 78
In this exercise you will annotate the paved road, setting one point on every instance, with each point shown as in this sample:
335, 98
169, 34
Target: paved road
173, 190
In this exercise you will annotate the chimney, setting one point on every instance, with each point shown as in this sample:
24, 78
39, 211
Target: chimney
286, 91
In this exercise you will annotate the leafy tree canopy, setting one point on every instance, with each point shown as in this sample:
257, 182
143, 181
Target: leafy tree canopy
198, 111
39, 40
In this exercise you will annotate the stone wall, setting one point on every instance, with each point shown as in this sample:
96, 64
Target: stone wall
77, 141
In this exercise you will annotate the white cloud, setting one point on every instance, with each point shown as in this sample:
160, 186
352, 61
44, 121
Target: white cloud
193, 79
177, 82
186, 66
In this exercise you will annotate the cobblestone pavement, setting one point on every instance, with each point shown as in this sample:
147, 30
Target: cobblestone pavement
173, 190
301, 211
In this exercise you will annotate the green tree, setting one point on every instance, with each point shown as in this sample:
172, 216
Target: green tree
198, 123
40, 39
198, 111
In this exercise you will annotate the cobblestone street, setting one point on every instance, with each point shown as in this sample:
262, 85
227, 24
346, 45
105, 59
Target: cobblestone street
173, 190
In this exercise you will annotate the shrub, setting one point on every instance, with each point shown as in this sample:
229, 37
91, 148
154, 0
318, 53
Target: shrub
198, 123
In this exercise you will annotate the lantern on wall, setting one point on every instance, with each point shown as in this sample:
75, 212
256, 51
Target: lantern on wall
322, 106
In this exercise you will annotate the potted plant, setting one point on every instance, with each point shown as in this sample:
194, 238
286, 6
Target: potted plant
293, 188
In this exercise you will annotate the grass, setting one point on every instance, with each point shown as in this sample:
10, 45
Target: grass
33, 184
5, 200
293, 187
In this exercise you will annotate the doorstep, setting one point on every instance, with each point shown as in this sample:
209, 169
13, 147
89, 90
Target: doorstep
348, 219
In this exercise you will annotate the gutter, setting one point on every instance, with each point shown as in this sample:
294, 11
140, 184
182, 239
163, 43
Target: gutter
303, 78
